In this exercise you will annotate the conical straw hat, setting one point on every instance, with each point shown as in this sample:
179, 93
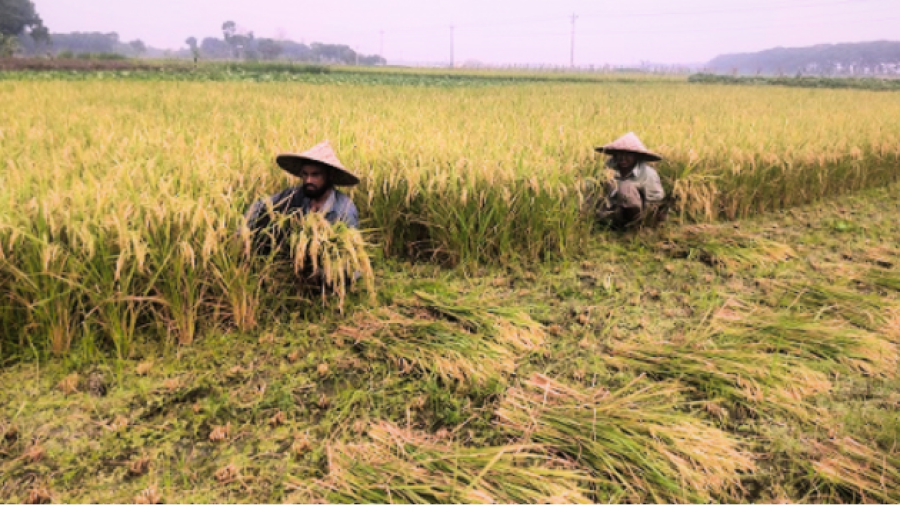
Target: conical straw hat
322, 154
630, 143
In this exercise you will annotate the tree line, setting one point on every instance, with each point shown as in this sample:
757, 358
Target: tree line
854, 59
22, 31
244, 45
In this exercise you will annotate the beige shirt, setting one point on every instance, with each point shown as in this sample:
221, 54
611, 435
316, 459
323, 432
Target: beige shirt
644, 178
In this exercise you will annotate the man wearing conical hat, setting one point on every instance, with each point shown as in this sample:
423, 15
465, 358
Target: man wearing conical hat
635, 192
320, 171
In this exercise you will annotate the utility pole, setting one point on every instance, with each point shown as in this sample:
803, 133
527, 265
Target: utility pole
451, 47
572, 48
381, 50
356, 50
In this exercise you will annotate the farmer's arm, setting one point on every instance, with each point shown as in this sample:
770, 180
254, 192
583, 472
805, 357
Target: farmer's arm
257, 215
653, 190
351, 216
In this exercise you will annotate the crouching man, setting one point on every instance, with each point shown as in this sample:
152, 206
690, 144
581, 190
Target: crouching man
319, 171
635, 194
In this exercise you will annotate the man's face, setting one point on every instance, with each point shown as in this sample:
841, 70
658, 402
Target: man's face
315, 180
625, 161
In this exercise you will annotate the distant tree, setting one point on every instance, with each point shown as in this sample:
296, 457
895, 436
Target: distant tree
215, 48
269, 49
823, 59
378, 60
333, 53
87, 42
16, 18
296, 51
138, 47
229, 31
192, 44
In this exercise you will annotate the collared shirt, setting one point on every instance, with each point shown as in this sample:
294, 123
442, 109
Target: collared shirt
644, 178
338, 207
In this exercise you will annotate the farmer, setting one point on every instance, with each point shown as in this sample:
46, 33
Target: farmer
635, 193
320, 171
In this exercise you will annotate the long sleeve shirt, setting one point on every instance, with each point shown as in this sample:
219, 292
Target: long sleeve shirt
338, 207
645, 178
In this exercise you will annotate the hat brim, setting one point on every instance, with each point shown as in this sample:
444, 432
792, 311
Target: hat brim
646, 156
293, 163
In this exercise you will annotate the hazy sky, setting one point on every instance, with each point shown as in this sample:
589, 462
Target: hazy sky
498, 31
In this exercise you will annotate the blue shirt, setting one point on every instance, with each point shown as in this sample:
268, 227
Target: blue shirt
338, 207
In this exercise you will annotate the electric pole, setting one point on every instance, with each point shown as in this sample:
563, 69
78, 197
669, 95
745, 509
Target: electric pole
381, 51
572, 48
451, 47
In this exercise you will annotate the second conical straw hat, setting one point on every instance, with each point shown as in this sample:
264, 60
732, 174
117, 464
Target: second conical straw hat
629, 143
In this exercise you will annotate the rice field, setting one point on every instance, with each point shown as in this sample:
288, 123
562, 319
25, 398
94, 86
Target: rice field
127, 194
499, 347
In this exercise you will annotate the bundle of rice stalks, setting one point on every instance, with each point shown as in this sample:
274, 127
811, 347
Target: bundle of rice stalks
726, 251
331, 255
632, 441
883, 278
509, 325
834, 345
741, 372
462, 344
844, 470
402, 466
862, 310
427, 346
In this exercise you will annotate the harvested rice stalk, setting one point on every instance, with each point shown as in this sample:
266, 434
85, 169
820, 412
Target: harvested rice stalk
726, 250
740, 371
428, 346
832, 343
843, 465
335, 254
511, 326
148, 496
862, 310
479, 344
883, 278
404, 466
632, 441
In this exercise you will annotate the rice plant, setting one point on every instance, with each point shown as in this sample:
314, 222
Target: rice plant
142, 184
402, 466
633, 442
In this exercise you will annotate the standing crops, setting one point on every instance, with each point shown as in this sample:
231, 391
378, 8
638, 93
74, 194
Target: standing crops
120, 200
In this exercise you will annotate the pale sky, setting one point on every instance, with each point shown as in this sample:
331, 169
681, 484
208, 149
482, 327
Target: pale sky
498, 31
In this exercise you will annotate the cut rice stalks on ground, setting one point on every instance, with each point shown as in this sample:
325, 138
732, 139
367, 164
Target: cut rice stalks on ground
741, 372
844, 465
633, 441
477, 344
725, 250
407, 467
833, 345
862, 310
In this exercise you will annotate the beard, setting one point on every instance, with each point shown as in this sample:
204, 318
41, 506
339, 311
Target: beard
314, 193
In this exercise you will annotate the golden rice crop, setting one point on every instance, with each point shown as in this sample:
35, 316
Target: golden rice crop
119, 201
